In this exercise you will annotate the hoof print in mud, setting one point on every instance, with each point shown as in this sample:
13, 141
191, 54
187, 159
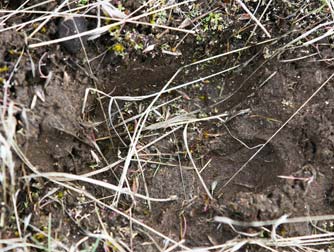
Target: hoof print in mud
69, 27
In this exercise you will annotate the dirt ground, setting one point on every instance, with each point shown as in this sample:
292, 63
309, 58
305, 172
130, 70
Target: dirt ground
293, 174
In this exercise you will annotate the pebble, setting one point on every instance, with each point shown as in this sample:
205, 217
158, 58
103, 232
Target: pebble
71, 26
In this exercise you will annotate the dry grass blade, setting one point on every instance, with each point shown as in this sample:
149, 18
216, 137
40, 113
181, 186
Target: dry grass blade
281, 220
103, 29
179, 120
262, 15
193, 162
6, 156
5, 18
37, 173
137, 132
309, 32
253, 17
40, 26
59, 176
121, 213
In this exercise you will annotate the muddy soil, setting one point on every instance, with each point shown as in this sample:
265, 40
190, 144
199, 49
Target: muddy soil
292, 174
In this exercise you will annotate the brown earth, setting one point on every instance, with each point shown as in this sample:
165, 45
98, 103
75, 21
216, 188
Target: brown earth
56, 136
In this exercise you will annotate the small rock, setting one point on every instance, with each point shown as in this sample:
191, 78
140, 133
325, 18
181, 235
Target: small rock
71, 26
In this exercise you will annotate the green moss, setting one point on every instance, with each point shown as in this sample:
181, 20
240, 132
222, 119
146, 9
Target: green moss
83, 2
